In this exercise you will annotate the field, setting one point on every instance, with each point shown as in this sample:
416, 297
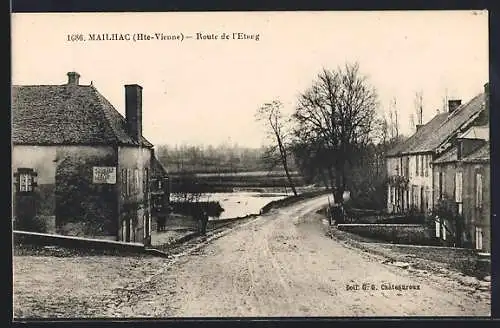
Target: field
217, 182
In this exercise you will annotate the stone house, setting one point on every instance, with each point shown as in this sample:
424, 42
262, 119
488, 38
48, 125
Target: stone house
409, 164
462, 181
84, 166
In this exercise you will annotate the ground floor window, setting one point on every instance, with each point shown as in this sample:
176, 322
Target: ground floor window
415, 193
25, 179
438, 226
479, 238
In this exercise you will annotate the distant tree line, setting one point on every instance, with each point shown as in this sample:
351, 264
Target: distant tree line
223, 158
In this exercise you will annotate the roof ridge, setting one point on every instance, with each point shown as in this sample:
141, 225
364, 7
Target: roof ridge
460, 108
50, 85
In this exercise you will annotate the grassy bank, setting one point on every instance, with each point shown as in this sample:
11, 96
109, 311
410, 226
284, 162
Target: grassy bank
293, 199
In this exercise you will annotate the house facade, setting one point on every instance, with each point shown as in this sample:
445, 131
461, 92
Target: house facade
411, 184
84, 166
462, 184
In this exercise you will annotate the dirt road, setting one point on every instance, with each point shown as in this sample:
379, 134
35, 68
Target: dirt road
283, 264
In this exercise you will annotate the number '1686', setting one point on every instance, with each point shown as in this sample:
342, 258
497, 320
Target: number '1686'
75, 37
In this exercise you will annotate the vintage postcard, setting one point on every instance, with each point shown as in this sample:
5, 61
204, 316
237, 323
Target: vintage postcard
250, 164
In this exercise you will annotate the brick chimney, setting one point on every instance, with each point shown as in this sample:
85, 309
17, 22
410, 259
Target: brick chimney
453, 104
133, 110
73, 78
419, 126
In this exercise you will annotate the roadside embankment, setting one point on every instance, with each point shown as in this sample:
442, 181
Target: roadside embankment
462, 261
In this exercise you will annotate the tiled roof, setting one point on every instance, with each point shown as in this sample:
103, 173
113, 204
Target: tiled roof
451, 155
429, 137
480, 154
157, 168
419, 136
66, 114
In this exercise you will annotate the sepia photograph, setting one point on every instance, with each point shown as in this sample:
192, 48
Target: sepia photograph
250, 164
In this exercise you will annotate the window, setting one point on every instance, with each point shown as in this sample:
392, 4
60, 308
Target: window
415, 195
440, 182
417, 162
437, 227
479, 190
479, 238
145, 183
458, 187
137, 181
129, 182
427, 164
427, 198
407, 166
124, 182
25, 180
422, 165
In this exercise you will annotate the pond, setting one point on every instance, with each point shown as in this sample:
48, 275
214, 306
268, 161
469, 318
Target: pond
241, 203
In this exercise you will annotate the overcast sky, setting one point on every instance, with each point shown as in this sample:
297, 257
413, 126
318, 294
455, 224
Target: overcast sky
207, 91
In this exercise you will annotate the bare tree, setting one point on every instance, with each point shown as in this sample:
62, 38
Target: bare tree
419, 107
272, 116
391, 124
445, 100
393, 119
396, 117
412, 122
339, 114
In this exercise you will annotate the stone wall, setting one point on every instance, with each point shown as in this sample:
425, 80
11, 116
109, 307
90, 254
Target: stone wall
395, 233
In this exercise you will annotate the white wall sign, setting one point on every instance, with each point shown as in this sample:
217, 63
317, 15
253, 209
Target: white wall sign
104, 174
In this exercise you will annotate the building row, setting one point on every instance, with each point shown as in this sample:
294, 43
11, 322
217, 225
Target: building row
446, 164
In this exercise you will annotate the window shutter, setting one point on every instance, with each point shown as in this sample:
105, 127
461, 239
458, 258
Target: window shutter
458, 187
479, 190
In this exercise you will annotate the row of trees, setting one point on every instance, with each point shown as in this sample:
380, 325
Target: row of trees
335, 135
222, 158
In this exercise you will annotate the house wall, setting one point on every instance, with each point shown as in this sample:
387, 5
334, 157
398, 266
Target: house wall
134, 199
41, 160
421, 179
401, 200
473, 216
445, 172
65, 191
476, 216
